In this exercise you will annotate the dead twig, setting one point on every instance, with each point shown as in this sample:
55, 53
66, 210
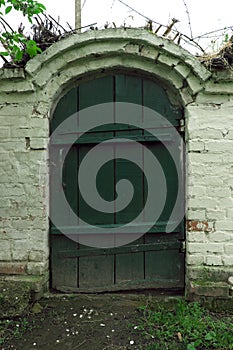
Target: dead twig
189, 20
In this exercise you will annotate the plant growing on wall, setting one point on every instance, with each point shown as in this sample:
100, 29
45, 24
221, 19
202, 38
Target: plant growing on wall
15, 43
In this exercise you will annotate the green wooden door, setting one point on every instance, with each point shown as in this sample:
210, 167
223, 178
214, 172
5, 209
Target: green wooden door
156, 260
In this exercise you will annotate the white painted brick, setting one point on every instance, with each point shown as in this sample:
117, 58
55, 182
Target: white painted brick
225, 203
38, 255
214, 260
5, 250
196, 237
216, 214
194, 84
219, 146
195, 259
196, 248
196, 214
230, 213
202, 203
182, 69
224, 225
230, 134
204, 134
37, 268
20, 250
204, 98
4, 132
228, 260
168, 60
196, 145
219, 237
215, 248
197, 191
218, 192
229, 248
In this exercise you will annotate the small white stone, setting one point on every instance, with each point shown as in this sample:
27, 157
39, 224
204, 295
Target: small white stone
111, 314
131, 342
107, 336
75, 315
34, 344
67, 330
81, 316
113, 330
102, 325
135, 327
57, 341
89, 317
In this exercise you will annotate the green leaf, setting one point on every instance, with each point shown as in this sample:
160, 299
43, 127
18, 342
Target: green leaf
191, 346
42, 6
4, 53
210, 336
8, 9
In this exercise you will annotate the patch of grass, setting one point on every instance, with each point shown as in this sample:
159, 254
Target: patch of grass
186, 326
14, 328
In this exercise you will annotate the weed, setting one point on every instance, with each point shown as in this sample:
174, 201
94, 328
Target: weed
186, 326
14, 328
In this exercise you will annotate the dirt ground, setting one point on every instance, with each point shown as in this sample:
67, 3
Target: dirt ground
86, 322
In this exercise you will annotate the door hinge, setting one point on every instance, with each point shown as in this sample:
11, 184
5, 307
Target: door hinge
182, 125
182, 247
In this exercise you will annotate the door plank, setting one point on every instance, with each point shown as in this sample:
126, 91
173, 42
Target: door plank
64, 270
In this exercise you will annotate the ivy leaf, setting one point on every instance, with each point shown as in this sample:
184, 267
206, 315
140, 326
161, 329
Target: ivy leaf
8, 9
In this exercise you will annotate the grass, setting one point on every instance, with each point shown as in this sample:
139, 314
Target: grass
13, 328
186, 326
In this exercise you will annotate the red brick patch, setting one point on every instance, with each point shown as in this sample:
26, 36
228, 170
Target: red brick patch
197, 226
12, 268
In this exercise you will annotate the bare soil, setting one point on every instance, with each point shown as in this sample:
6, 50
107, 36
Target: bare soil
86, 322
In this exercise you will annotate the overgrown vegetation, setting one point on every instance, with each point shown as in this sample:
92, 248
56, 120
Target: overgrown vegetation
15, 43
19, 46
186, 326
14, 329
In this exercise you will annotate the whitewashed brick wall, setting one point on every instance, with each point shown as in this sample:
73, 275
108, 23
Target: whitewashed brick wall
26, 100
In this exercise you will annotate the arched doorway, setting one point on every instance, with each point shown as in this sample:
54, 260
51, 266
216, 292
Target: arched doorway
155, 260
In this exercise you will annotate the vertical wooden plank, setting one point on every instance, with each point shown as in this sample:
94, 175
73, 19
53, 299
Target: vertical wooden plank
165, 264
97, 271
130, 266
63, 270
70, 179
65, 108
96, 91
155, 97
163, 156
105, 187
129, 89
